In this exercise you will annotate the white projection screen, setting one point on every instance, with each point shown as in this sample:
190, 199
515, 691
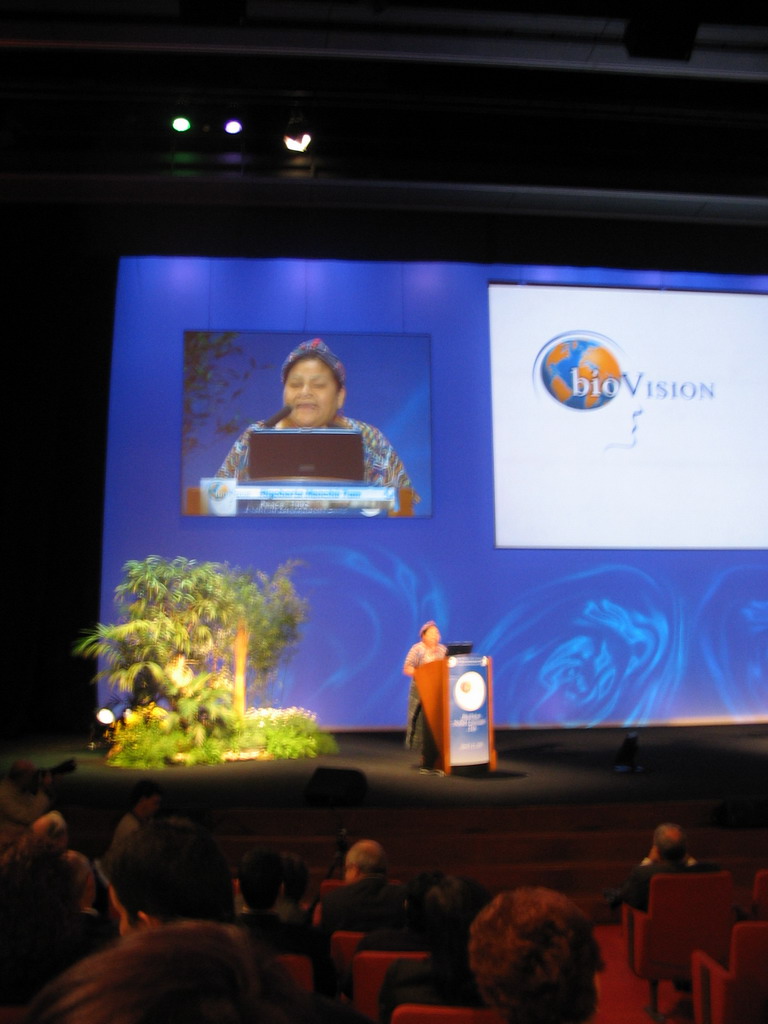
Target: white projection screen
629, 418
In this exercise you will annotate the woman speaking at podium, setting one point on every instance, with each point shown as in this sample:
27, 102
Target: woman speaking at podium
417, 733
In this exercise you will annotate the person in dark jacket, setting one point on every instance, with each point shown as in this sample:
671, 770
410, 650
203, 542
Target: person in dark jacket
367, 900
668, 855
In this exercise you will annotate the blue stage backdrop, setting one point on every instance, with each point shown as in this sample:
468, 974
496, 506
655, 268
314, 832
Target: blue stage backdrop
615, 569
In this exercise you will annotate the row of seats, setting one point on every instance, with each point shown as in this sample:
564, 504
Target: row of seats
368, 969
689, 934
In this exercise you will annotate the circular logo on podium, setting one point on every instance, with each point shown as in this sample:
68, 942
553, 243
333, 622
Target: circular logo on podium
469, 691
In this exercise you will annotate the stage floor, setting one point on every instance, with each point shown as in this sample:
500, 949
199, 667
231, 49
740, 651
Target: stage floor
564, 766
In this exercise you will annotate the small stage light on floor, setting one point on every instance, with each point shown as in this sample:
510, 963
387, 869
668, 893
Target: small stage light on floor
626, 757
103, 721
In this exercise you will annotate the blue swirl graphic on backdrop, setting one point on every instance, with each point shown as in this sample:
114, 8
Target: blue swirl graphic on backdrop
732, 632
358, 597
574, 652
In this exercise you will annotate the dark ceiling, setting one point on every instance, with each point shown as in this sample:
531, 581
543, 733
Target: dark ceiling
569, 108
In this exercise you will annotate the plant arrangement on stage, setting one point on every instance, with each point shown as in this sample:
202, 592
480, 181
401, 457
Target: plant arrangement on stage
194, 643
146, 737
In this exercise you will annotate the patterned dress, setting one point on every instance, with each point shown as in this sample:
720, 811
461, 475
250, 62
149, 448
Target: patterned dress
418, 655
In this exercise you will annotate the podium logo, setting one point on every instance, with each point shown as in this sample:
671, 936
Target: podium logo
580, 370
469, 691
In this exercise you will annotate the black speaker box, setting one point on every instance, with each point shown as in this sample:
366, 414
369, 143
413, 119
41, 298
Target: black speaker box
336, 787
742, 812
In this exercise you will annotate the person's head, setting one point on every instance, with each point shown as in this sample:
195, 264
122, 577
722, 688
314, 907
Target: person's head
430, 634
450, 906
169, 868
260, 875
365, 857
53, 827
145, 799
535, 958
313, 385
416, 890
39, 913
670, 842
24, 775
83, 879
191, 972
295, 876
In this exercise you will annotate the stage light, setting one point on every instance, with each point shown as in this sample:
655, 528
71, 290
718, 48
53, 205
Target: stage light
103, 721
233, 126
181, 124
105, 716
297, 135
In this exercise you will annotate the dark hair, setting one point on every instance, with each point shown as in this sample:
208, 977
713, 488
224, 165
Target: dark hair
191, 972
450, 906
143, 789
415, 892
172, 868
295, 876
535, 958
41, 926
260, 875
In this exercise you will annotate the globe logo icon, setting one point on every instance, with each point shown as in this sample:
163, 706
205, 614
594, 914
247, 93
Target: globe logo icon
579, 370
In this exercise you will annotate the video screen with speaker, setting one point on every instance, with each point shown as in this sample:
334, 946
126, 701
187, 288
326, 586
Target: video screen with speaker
282, 423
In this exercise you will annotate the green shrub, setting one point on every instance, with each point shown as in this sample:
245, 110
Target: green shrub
149, 737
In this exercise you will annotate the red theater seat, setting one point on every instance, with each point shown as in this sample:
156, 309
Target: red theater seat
760, 895
343, 947
685, 912
368, 970
418, 1013
300, 969
737, 994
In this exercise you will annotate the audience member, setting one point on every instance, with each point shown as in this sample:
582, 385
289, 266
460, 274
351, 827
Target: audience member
144, 803
97, 928
40, 925
170, 868
290, 904
669, 853
444, 977
413, 934
409, 937
535, 958
367, 900
26, 793
53, 827
190, 972
261, 880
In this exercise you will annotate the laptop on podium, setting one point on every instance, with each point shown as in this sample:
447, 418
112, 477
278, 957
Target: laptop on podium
306, 455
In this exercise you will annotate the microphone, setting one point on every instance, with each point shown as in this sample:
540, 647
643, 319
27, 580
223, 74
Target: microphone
275, 419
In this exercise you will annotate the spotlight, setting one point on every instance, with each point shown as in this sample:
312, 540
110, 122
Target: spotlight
181, 124
233, 126
297, 136
626, 756
103, 721
105, 716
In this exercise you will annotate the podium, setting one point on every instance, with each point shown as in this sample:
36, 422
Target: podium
456, 695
